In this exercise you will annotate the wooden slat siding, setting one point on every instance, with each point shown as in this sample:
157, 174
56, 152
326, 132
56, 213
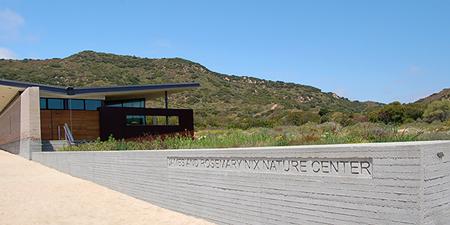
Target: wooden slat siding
392, 196
46, 125
84, 124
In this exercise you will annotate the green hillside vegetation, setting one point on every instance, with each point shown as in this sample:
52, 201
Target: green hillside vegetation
223, 101
397, 113
390, 123
234, 111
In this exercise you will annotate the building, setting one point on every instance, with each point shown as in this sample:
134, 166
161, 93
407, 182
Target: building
34, 114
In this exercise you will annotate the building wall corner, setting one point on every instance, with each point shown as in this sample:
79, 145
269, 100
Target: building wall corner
30, 123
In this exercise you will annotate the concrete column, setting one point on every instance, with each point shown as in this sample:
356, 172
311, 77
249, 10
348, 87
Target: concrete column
30, 122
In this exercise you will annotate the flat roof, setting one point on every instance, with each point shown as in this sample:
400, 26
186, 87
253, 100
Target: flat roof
93, 90
10, 88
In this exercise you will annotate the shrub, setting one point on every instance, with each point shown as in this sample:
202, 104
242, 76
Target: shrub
341, 118
308, 133
437, 111
302, 117
396, 113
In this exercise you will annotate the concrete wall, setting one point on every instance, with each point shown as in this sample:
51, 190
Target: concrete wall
392, 183
30, 122
20, 131
436, 195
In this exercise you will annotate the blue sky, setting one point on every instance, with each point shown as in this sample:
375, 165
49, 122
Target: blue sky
363, 50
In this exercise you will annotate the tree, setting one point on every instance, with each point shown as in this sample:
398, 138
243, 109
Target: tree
393, 113
396, 113
413, 111
437, 111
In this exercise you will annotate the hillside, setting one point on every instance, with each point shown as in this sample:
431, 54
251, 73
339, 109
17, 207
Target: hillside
222, 101
444, 94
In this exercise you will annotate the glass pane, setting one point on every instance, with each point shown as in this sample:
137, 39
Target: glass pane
43, 103
134, 104
54, 103
174, 121
161, 120
93, 104
135, 120
113, 104
142, 120
156, 120
77, 104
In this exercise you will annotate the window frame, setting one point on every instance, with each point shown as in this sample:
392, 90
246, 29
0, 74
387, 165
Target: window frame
66, 104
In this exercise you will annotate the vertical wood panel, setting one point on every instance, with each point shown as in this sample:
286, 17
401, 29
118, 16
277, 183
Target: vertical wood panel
84, 124
46, 125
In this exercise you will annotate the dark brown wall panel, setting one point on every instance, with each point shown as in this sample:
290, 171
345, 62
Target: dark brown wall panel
84, 124
113, 122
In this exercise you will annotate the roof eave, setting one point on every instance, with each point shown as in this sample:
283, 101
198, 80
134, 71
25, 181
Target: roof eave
158, 87
94, 90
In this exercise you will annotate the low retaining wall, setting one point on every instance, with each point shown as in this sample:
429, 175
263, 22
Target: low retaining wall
391, 183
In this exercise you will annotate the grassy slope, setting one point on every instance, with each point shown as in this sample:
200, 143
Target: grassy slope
222, 99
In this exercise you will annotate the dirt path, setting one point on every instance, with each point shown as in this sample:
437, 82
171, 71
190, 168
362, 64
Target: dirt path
34, 194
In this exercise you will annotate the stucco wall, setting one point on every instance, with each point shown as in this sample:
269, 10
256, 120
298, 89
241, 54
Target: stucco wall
392, 183
10, 127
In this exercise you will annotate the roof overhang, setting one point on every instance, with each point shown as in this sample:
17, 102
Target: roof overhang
7, 94
9, 89
118, 92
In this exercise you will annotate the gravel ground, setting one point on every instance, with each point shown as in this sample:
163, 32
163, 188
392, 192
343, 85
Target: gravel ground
32, 194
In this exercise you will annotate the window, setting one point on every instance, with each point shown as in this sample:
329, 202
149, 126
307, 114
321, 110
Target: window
156, 120
174, 121
135, 120
71, 104
55, 103
43, 103
92, 104
143, 120
161, 120
114, 104
76, 104
135, 103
